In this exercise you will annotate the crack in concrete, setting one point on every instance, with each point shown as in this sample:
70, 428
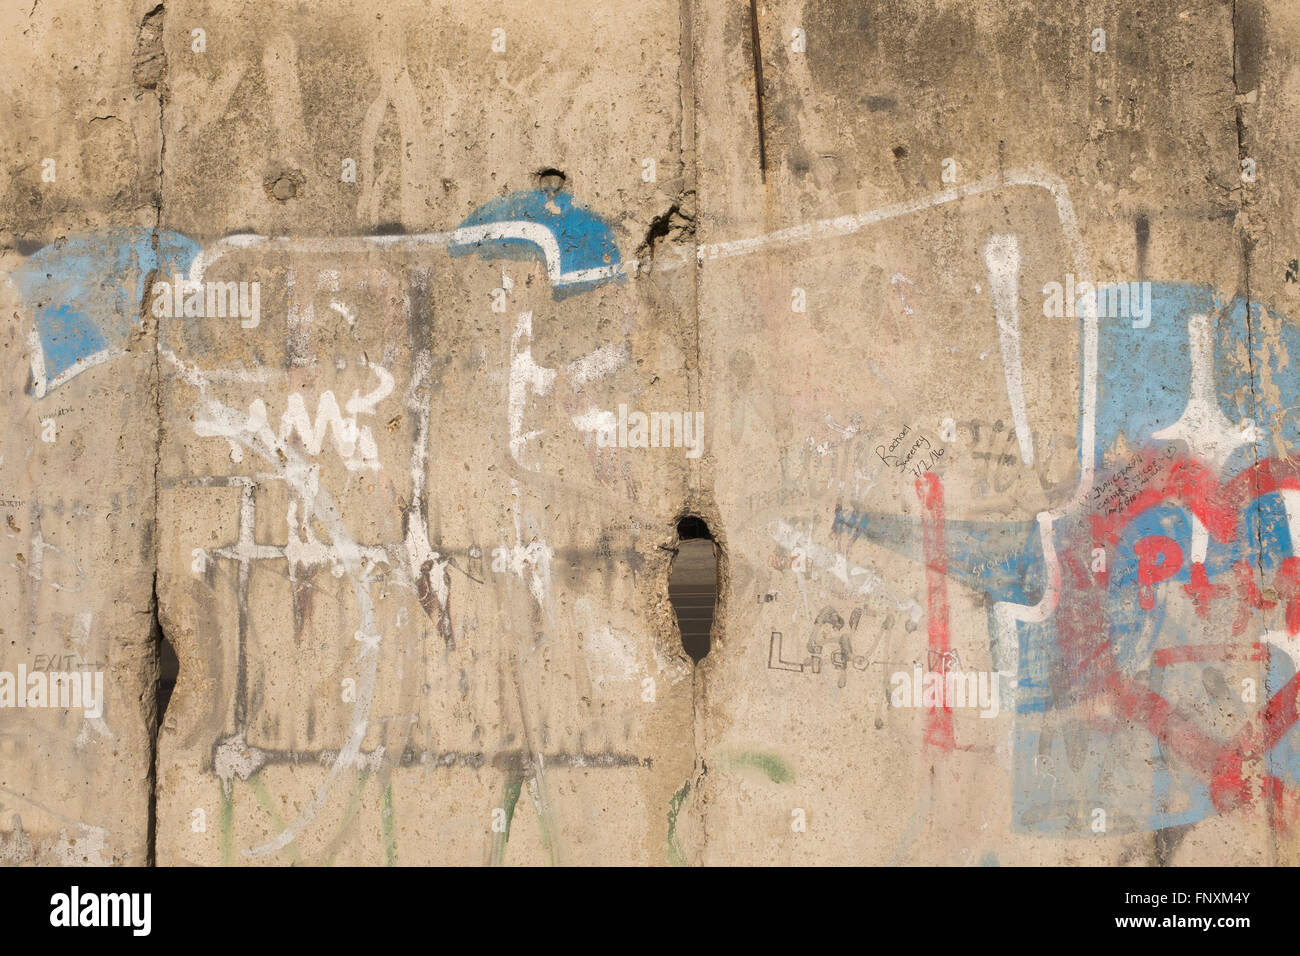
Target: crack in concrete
676, 224
757, 50
150, 76
1247, 250
690, 186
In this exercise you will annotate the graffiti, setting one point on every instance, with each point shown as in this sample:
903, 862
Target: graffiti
84, 295
1002, 256
929, 490
996, 445
829, 630
400, 388
577, 248
904, 287
769, 765
85, 292
917, 457
840, 658
853, 580
1133, 619
1121, 487
885, 453
1130, 602
232, 756
1126, 619
354, 444
1176, 540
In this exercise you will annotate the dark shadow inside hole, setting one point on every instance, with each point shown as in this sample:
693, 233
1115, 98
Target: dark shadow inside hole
169, 667
692, 527
550, 179
693, 585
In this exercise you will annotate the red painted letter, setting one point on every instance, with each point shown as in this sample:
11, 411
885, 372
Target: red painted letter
1150, 571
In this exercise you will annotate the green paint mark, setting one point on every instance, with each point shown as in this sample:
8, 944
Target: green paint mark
776, 769
514, 785
390, 838
227, 823
354, 804
264, 798
675, 855
545, 821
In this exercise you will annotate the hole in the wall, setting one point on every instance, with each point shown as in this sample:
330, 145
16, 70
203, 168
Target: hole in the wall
149, 69
285, 185
693, 585
551, 180
169, 667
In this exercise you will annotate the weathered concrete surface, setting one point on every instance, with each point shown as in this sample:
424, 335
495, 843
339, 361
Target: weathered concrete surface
79, 160
500, 573
929, 324
421, 607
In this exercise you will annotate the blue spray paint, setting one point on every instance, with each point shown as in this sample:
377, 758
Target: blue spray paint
1067, 765
584, 241
85, 292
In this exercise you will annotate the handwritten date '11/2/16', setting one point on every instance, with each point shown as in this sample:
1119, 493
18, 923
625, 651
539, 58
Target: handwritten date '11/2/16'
919, 456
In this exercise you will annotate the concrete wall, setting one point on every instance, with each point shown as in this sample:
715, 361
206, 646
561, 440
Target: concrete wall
331, 329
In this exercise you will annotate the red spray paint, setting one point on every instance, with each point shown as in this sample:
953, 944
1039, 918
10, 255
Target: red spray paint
929, 489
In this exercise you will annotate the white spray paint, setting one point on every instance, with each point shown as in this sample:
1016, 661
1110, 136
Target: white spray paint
1209, 435
1002, 255
525, 375
274, 451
